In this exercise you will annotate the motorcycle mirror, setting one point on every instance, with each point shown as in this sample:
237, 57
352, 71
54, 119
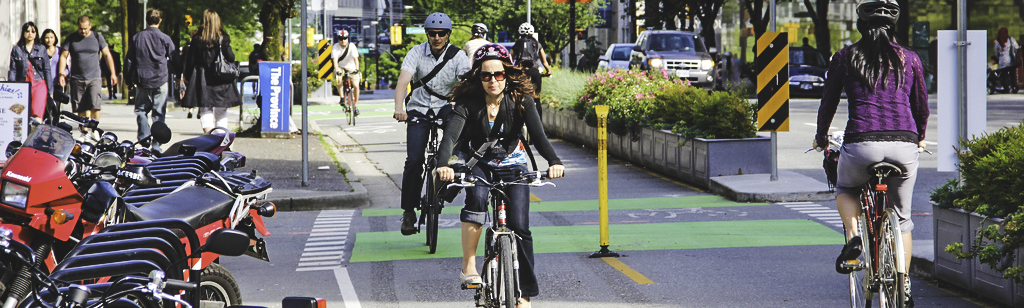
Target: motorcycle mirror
12, 148
228, 242
160, 132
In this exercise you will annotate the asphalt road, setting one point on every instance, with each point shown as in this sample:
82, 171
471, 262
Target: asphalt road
697, 249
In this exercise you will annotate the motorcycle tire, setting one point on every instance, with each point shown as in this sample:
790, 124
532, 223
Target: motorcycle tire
218, 285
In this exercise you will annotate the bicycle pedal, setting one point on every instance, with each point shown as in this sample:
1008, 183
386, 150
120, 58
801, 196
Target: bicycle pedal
472, 286
855, 265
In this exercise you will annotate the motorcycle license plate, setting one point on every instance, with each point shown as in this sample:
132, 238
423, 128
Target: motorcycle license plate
805, 86
683, 74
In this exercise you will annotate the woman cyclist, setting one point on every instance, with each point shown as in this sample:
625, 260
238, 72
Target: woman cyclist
493, 102
888, 116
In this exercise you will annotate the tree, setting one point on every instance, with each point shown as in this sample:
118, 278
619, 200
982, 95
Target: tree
273, 14
707, 12
819, 15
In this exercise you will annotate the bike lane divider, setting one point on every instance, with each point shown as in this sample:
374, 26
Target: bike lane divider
325, 251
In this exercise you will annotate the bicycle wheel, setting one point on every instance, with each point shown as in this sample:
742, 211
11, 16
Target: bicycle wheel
508, 286
859, 296
432, 209
350, 102
891, 273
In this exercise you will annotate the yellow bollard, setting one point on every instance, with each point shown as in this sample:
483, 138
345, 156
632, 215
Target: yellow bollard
602, 180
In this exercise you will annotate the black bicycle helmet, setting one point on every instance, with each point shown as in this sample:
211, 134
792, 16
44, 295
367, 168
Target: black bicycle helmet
887, 11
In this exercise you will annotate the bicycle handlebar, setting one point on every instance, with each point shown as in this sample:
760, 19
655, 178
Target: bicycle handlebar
534, 179
437, 120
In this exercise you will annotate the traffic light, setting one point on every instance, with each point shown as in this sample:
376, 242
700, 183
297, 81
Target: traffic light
188, 21
580, 35
396, 35
310, 41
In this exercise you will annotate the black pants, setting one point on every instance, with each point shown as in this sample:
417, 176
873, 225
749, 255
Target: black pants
416, 138
517, 215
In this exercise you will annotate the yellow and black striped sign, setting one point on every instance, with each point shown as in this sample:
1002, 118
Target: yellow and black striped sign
325, 68
773, 82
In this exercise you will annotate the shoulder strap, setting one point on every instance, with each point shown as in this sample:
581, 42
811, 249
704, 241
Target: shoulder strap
449, 54
345, 54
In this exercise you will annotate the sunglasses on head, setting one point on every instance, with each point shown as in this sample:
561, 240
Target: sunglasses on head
486, 76
437, 33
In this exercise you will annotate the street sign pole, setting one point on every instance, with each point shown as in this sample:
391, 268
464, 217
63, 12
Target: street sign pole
775, 134
602, 180
302, 95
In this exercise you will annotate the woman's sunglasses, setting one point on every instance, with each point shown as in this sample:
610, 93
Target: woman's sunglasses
486, 76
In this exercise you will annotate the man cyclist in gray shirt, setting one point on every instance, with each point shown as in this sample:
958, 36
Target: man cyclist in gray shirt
427, 100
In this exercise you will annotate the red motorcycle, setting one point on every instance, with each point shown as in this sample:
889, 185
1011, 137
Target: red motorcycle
50, 213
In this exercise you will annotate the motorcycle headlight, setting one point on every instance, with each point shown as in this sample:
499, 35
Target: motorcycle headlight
655, 63
108, 159
14, 194
707, 64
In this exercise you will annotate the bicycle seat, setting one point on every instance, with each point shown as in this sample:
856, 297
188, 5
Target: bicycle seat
886, 168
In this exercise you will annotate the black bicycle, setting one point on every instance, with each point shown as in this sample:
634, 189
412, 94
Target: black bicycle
500, 275
430, 204
348, 99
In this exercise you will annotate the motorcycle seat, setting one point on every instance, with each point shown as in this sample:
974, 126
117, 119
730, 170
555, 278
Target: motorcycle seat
198, 206
206, 159
204, 143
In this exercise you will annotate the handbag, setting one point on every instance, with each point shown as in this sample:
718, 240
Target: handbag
222, 70
1014, 56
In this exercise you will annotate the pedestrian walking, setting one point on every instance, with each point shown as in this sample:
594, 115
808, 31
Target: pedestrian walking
30, 63
53, 50
479, 39
84, 48
254, 63
433, 68
213, 97
494, 100
1008, 51
345, 56
888, 107
150, 52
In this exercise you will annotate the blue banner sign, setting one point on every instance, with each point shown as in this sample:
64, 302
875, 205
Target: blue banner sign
275, 88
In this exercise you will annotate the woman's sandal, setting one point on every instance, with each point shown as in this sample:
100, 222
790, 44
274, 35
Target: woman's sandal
470, 281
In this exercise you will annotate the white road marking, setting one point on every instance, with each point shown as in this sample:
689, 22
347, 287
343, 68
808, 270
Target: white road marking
325, 250
816, 211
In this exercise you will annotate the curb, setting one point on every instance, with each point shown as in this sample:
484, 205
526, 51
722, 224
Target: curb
740, 196
309, 200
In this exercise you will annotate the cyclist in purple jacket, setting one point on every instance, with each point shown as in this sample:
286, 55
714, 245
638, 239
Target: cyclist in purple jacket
888, 116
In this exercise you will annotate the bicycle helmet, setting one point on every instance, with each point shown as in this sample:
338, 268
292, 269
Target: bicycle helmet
438, 21
479, 29
341, 35
526, 29
491, 51
878, 11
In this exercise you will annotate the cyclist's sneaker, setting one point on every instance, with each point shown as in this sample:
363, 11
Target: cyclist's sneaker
409, 223
470, 281
909, 303
850, 252
355, 110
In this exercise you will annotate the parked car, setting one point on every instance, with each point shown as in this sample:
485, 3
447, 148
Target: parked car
807, 69
680, 53
617, 57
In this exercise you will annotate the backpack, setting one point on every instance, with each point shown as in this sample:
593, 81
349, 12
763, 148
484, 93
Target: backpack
527, 49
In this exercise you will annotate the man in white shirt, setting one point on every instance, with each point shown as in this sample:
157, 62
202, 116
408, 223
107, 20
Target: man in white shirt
346, 61
479, 39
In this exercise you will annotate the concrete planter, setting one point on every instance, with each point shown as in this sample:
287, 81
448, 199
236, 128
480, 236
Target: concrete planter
718, 157
952, 226
692, 161
986, 282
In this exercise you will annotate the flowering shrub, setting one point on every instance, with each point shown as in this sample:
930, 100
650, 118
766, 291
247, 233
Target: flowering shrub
638, 98
628, 94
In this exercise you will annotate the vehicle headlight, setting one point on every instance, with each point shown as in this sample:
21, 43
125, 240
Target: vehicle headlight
108, 159
707, 64
14, 194
654, 63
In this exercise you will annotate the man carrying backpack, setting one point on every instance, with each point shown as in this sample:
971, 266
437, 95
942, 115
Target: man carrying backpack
530, 55
433, 68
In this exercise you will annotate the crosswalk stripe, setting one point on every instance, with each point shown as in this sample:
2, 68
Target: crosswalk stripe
325, 247
311, 244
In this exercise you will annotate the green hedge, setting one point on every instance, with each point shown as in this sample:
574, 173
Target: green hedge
637, 98
991, 186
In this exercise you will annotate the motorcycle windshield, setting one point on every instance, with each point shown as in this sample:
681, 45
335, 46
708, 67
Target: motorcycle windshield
53, 140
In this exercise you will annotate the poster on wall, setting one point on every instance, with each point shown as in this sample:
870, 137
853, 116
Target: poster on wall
14, 104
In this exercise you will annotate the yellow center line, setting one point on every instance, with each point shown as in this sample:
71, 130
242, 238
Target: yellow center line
626, 270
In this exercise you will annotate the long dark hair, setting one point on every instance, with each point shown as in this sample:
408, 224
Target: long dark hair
874, 56
517, 83
56, 40
24, 28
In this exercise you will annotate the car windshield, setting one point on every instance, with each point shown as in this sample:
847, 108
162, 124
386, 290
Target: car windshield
53, 140
621, 52
675, 42
806, 57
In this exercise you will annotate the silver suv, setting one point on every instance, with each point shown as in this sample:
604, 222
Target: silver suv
680, 53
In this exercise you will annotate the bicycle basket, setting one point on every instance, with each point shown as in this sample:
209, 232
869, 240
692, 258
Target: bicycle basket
831, 165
